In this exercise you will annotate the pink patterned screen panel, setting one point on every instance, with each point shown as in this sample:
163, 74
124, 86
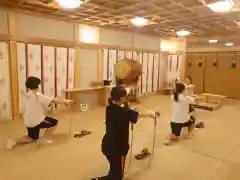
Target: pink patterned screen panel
53, 65
71, 68
48, 73
156, 72
22, 73
34, 61
129, 54
62, 61
5, 87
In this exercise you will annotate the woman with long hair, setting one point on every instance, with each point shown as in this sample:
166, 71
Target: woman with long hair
180, 113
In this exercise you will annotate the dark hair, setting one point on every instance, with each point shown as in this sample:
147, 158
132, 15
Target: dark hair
32, 82
190, 78
117, 93
179, 88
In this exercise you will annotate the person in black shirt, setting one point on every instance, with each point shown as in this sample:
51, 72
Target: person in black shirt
115, 143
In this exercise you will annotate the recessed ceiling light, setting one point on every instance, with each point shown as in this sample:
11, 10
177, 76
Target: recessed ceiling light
183, 33
212, 41
139, 21
229, 44
221, 6
70, 4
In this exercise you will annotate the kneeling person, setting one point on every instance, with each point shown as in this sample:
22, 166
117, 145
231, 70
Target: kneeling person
35, 114
180, 117
115, 143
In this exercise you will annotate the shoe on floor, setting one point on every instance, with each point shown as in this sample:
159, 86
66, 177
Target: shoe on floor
168, 142
10, 144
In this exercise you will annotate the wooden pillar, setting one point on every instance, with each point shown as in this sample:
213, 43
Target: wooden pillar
13, 67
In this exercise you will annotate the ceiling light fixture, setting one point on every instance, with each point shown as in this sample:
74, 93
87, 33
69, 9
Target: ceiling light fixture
70, 4
221, 6
183, 33
139, 21
212, 41
229, 44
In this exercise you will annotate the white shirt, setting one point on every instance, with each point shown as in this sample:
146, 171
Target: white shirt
36, 108
181, 108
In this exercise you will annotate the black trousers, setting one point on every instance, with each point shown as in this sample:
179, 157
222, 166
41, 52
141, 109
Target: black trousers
117, 163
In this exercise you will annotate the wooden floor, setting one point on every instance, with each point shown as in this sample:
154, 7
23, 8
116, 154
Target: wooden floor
213, 154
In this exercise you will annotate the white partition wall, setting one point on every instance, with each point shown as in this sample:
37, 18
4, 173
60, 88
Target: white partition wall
150, 73
34, 61
173, 67
144, 73
61, 70
112, 62
22, 73
150, 79
5, 87
49, 70
71, 68
129, 54
163, 70
156, 72
88, 67
105, 64
121, 55
53, 65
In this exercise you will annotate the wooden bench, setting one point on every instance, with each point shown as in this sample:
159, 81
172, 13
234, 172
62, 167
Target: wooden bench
213, 98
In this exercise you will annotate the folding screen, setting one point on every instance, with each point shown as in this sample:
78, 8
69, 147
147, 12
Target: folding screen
5, 87
144, 73
61, 71
71, 68
22, 73
121, 55
150, 79
173, 67
105, 64
129, 55
34, 61
112, 62
138, 57
53, 65
150, 70
163, 70
156, 70
49, 70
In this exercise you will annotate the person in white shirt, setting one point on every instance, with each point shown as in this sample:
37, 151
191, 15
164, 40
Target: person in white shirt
35, 114
180, 115
190, 88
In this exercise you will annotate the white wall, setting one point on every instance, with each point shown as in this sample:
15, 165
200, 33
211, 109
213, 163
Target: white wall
3, 21
32, 27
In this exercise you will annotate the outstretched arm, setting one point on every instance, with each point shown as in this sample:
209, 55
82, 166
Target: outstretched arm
62, 101
145, 113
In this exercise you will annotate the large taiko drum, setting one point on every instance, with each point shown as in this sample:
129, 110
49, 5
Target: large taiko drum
128, 71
